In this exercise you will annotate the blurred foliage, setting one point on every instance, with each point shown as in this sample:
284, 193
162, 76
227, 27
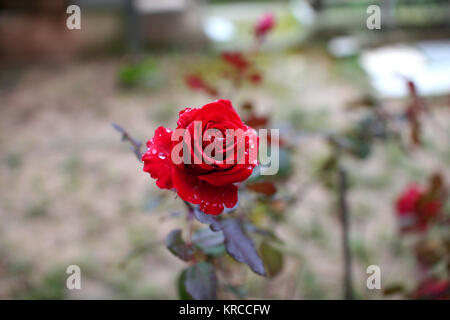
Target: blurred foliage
143, 73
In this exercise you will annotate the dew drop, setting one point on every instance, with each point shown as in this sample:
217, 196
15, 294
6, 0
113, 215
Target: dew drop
162, 156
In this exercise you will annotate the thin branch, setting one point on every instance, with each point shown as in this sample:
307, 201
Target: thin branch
136, 144
190, 225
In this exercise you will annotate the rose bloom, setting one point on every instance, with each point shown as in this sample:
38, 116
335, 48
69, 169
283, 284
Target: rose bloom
416, 211
207, 179
264, 25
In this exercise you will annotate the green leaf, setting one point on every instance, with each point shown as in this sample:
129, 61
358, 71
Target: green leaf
215, 251
181, 286
177, 246
360, 148
201, 281
272, 257
141, 73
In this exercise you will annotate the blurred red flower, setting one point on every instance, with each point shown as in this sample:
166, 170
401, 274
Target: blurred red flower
237, 60
433, 288
264, 25
407, 201
255, 78
196, 82
416, 209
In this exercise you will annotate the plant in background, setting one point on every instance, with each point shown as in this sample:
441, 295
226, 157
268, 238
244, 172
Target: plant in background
421, 211
433, 288
218, 225
238, 66
264, 25
417, 208
196, 82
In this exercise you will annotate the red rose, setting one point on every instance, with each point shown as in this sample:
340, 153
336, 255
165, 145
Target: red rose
415, 209
264, 25
407, 202
203, 172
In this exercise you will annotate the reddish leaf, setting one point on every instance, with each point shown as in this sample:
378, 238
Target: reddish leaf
202, 217
267, 188
436, 184
257, 122
210, 242
241, 247
237, 243
201, 281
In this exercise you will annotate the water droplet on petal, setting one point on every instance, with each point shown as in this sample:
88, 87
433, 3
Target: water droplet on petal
162, 156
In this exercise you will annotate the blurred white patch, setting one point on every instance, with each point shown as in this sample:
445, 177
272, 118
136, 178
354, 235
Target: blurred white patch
161, 6
303, 12
219, 29
435, 51
427, 64
341, 47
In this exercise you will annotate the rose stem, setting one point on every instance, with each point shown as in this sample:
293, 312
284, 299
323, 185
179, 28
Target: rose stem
126, 137
190, 219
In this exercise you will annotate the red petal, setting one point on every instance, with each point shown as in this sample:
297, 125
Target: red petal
407, 201
157, 158
211, 199
221, 178
215, 198
219, 110
186, 116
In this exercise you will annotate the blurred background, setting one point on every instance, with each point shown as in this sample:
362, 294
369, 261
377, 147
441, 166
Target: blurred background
72, 193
